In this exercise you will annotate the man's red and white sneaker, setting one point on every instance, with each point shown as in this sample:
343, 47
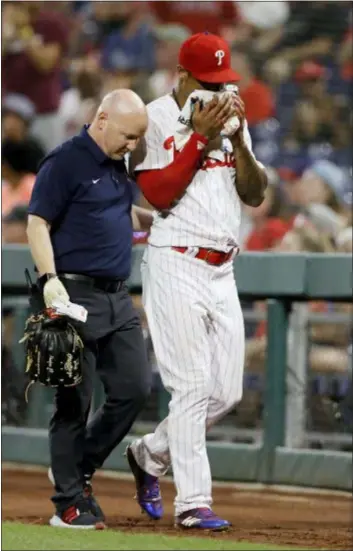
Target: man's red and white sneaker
88, 494
77, 516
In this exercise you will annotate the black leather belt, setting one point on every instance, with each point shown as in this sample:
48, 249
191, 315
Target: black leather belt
102, 283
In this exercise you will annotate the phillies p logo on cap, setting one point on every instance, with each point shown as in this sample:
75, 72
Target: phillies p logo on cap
220, 55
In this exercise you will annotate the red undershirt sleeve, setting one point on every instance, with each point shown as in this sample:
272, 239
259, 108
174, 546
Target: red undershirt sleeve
163, 186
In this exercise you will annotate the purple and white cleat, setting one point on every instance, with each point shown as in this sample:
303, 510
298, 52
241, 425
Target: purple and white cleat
201, 518
148, 492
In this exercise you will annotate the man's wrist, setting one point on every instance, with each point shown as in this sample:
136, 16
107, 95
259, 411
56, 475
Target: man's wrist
238, 139
201, 137
49, 275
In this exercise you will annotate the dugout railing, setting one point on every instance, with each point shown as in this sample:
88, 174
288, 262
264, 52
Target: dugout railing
282, 280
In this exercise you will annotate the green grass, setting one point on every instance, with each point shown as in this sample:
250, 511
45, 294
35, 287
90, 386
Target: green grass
16, 536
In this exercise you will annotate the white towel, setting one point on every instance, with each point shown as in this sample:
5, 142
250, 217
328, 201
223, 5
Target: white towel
184, 130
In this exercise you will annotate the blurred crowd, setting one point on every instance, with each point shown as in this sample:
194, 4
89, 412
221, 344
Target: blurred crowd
295, 60
296, 63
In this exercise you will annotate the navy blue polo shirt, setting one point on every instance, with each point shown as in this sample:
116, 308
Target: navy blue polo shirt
86, 197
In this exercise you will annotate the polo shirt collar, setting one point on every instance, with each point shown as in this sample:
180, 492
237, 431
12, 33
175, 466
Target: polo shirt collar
92, 146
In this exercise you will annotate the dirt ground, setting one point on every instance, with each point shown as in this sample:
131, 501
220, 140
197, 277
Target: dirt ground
302, 519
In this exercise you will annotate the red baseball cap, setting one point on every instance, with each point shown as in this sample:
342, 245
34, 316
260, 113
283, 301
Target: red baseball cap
207, 57
309, 70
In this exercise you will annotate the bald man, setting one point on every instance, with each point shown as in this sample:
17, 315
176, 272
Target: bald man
80, 236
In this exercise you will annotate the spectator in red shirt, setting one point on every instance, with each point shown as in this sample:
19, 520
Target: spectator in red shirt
33, 50
270, 221
257, 96
211, 16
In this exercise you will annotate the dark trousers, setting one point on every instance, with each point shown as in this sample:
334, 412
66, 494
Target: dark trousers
114, 347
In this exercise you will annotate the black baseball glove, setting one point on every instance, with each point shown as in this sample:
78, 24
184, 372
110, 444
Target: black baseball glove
53, 350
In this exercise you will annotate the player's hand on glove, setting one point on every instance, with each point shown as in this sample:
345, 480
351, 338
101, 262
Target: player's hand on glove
209, 120
54, 290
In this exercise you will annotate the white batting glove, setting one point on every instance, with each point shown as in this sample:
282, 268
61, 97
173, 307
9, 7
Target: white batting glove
53, 291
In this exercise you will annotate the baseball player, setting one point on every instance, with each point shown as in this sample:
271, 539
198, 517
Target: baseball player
189, 291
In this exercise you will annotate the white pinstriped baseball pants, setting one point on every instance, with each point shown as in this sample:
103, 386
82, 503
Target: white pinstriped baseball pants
197, 329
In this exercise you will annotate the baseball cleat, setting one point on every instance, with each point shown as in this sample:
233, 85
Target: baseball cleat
89, 497
148, 492
77, 516
201, 518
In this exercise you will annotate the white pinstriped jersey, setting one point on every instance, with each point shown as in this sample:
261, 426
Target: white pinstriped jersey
209, 213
